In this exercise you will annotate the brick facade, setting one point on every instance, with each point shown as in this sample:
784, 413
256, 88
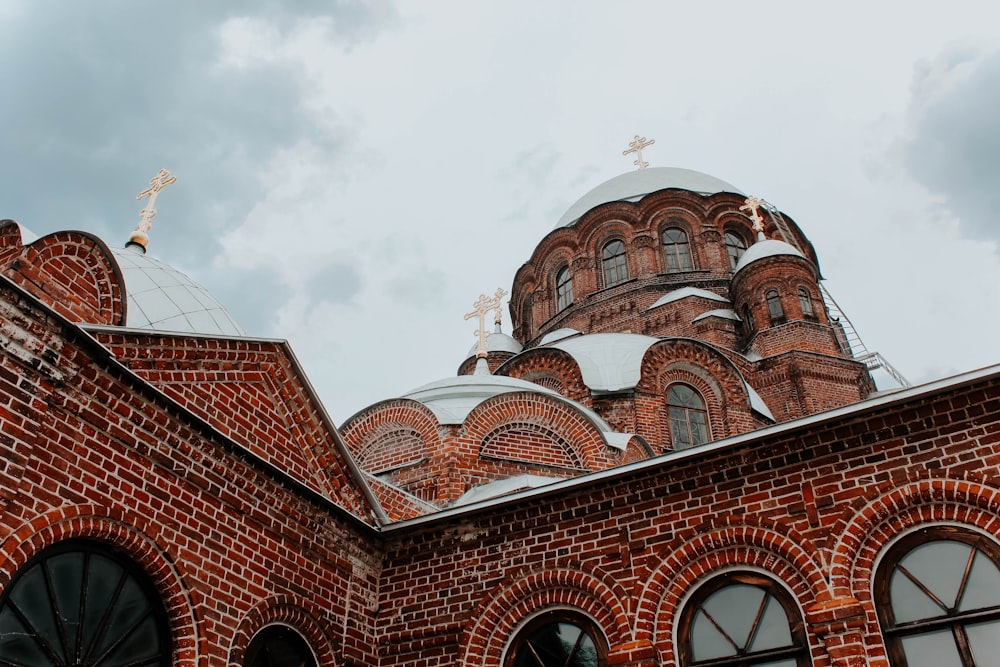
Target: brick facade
208, 462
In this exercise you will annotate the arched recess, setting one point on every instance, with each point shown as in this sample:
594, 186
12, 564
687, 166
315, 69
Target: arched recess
283, 610
541, 362
711, 373
497, 618
862, 536
550, 412
131, 535
75, 274
392, 433
708, 550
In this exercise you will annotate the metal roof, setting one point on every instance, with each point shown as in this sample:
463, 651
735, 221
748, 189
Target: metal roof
634, 185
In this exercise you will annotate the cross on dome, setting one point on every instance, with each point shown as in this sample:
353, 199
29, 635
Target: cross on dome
483, 305
140, 236
752, 204
636, 146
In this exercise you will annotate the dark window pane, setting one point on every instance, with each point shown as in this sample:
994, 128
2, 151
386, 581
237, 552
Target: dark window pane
556, 643
688, 417
676, 250
83, 606
564, 288
615, 270
774, 309
279, 646
735, 247
805, 302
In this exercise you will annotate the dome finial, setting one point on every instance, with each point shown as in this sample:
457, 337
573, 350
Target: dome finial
636, 146
752, 204
140, 237
483, 305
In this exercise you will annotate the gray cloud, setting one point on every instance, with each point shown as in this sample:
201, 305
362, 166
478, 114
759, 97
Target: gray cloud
956, 142
100, 95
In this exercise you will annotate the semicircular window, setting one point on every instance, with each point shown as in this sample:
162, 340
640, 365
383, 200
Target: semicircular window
558, 639
741, 619
938, 598
79, 603
279, 646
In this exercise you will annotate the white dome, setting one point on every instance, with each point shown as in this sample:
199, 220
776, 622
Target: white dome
164, 299
635, 185
766, 248
497, 342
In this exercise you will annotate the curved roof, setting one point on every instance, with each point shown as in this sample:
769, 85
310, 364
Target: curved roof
685, 292
613, 361
608, 361
452, 399
635, 185
163, 298
497, 342
766, 248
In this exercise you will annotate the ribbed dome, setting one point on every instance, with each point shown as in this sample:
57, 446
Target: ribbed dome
163, 298
635, 185
766, 248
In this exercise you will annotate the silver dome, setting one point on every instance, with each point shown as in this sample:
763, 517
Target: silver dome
164, 299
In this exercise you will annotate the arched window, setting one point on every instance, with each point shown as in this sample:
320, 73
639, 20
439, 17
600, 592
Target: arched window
735, 247
81, 603
279, 646
741, 619
774, 309
676, 250
937, 592
558, 638
688, 417
615, 269
748, 326
564, 288
805, 302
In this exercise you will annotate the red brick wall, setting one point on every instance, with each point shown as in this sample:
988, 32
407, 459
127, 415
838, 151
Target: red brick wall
88, 451
811, 505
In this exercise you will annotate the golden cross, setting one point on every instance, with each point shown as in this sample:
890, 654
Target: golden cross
483, 305
146, 215
636, 146
752, 204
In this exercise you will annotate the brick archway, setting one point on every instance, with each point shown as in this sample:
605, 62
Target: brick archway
283, 610
129, 533
497, 618
702, 553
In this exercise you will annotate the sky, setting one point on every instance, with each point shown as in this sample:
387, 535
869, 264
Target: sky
352, 175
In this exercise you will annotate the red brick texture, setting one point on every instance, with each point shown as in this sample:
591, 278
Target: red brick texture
810, 506
89, 450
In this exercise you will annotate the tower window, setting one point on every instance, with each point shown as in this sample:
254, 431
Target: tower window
741, 619
79, 603
688, 417
806, 303
774, 309
615, 269
564, 288
937, 593
557, 639
735, 247
676, 250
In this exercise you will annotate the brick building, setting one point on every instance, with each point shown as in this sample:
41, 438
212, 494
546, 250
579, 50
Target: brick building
678, 458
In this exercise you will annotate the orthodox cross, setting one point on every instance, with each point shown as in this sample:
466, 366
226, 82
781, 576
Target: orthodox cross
483, 305
752, 204
146, 215
636, 146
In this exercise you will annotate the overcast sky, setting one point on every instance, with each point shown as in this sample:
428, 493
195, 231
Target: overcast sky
352, 175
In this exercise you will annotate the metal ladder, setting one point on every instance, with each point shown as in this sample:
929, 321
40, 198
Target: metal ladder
850, 339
